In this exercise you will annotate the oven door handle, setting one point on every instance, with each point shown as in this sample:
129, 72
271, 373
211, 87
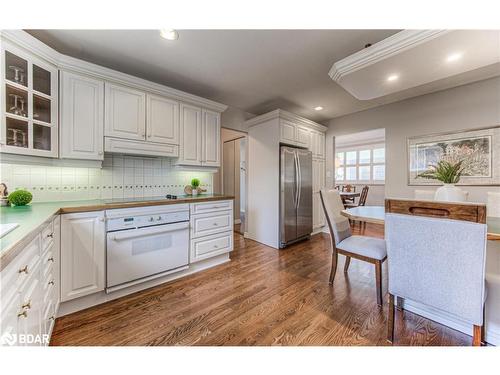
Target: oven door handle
141, 232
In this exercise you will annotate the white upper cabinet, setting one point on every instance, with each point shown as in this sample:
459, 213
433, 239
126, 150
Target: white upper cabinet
191, 133
303, 136
82, 117
83, 256
211, 138
287, 132
29, 95
162, 120
125, 112
318, 144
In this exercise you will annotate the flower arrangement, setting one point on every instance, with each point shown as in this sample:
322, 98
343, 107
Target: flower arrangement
20, 197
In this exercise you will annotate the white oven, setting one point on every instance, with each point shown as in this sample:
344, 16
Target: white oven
145, 243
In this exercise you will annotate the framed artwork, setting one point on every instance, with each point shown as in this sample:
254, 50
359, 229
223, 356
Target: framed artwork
479, 149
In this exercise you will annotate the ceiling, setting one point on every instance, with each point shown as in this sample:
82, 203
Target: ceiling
254, 70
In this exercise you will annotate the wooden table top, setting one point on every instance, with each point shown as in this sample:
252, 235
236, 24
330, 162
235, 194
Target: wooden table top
376, 215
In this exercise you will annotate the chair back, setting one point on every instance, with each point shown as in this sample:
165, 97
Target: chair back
349, 188
437, 255
424, 195
339, 225
362, 197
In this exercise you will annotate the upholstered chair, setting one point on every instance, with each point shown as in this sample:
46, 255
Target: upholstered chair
436, 256
368, 249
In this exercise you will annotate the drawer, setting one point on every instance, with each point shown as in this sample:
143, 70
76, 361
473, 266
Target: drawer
48, 261
200, 208
47, 236
25, 265
210, 246
206, 224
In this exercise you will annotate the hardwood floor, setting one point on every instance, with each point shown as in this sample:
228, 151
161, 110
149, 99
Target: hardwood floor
262, 297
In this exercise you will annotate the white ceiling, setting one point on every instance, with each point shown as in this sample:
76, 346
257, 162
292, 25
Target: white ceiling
254, 70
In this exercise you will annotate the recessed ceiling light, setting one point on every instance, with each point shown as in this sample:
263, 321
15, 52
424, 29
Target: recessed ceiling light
169, 34
393, 77
454, 57
318, 108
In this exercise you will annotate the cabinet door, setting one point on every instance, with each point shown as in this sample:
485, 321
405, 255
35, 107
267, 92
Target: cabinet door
321, 145
318, 215
211, 138
190, 152
318, 174
287, 132
162, 120
125, 112
303, 136
82, 117
83, 255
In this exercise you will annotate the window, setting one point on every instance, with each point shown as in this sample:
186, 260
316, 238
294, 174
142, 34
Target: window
363, 164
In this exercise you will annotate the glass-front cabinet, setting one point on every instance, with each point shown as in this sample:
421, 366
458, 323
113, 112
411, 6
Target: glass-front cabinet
29, 104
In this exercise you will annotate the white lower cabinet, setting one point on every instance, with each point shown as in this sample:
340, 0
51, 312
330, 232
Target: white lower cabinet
83, 256
211, 229
30, 290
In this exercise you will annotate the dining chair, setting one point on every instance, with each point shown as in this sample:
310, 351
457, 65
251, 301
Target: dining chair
348, 189
367, 249
362, 198
436, 255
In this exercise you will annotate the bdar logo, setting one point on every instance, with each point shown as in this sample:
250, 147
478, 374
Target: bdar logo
8, 339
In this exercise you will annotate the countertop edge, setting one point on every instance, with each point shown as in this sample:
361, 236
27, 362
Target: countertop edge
11, 252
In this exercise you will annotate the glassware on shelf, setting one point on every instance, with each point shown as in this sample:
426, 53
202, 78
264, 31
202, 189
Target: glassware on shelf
23, 111
16, 137
18, 74
15, 109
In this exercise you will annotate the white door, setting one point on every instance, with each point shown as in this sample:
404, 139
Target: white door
287, 132
303, 136
162, 120
82, 117
211, 138
190, 152
82, 255
125, 112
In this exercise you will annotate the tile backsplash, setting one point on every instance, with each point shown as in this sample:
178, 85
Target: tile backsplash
120, 177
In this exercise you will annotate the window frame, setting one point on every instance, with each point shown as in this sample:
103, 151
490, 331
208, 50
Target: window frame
357, 164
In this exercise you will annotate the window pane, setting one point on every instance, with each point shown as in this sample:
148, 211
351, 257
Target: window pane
364, 173
340, 174
340, 159
350, 157
379, 155
379, 172
350, 173
364, 157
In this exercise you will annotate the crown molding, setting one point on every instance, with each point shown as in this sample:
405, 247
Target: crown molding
63, 62
280, 113
388, 47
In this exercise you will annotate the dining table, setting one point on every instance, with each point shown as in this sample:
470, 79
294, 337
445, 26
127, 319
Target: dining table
376, 215
348, 196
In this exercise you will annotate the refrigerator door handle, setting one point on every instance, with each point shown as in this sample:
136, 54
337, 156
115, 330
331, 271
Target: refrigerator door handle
299, 181
296, 176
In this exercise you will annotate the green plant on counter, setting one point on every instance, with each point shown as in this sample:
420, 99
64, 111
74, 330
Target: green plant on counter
195, 183
20, 197
444, 171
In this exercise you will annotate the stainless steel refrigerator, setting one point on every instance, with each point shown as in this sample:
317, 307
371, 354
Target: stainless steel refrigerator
295, 195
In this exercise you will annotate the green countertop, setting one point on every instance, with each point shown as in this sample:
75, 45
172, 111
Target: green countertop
32, 216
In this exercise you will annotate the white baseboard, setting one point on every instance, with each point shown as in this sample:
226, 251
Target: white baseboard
78, 304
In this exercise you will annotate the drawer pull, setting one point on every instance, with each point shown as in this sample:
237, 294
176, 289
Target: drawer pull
216, 246
51, 259
51, 282
215, 224
23, 314
26, 306
52, 317
23, 270
50, 235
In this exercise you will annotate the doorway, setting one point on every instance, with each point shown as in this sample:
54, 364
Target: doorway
233, 173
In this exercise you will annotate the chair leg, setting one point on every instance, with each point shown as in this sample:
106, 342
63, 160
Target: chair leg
334, 266
400, 303
390, 320
378, 282
346, 264
478, 335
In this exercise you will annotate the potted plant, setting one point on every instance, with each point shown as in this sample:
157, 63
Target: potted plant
449, 174
195, 184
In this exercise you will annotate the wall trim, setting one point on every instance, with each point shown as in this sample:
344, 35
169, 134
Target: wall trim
280, 113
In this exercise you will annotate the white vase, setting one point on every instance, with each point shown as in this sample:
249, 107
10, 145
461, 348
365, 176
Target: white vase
450, 193
195, 192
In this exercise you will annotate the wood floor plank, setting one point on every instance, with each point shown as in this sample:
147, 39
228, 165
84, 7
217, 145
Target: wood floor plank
263, 296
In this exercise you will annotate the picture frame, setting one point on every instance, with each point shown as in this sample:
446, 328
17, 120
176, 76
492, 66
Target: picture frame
479, 148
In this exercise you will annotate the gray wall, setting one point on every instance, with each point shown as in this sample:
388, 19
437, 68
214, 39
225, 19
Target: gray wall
470, 106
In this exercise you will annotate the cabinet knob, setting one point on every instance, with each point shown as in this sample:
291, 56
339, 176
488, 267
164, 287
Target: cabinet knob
51, 259
215, 224
23, 314
51, 282
26, 306
52, 317
23, 270
51, 235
